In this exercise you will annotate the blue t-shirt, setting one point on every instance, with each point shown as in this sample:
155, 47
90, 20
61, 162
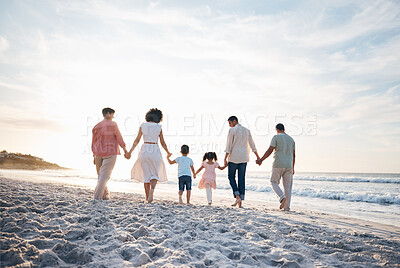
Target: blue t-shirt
184, 164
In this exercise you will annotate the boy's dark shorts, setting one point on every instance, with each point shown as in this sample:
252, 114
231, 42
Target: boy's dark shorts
185, 180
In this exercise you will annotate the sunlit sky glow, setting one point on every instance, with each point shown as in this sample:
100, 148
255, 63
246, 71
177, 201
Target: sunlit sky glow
329, 70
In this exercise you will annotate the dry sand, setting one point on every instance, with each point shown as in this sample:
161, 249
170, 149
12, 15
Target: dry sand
48, 224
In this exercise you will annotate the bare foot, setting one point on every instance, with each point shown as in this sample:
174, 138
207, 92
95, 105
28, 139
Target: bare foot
150, 199
180, 200
240, 203
283, 203
236, 202
106, 195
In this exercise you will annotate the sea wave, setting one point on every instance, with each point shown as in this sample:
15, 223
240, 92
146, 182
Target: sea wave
378, 198
349, 179
350, 196
364, 178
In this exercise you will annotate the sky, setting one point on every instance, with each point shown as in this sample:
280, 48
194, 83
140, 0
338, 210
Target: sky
328, 70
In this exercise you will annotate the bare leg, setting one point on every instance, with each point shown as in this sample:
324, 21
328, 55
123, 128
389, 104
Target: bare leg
153, 184
180, 197
147, 190
188, 196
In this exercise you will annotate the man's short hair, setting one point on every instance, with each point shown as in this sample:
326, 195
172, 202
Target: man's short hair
280, 127
233, 118
108, 110
185, 149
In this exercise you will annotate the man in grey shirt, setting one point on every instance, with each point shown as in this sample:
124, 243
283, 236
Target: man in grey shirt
283, 166
238, 147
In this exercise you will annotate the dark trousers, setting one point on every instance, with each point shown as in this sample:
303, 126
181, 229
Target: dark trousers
237, 188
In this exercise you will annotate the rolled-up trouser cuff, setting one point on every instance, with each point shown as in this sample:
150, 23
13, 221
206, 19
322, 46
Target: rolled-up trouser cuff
236, 193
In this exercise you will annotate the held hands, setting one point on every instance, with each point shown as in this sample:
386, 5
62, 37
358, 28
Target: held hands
126, 153
259, 161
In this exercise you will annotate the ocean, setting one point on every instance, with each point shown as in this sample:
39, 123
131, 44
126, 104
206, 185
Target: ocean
366, 196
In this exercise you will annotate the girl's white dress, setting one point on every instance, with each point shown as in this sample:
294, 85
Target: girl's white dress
149, 164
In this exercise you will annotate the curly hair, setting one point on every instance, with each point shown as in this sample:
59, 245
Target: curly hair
154, 115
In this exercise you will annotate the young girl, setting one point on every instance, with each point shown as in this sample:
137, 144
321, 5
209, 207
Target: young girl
208, 180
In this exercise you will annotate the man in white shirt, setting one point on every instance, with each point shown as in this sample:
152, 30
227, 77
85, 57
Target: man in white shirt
237, 152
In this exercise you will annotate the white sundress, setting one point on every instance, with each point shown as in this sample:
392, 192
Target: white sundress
149, 165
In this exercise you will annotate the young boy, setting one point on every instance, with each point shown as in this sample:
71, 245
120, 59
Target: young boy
185, 165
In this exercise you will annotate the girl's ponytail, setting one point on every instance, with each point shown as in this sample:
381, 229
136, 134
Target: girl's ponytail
210, 156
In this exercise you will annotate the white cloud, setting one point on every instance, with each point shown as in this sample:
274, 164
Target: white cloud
28, 119
145, 54
373, 17
16, 87
4, 45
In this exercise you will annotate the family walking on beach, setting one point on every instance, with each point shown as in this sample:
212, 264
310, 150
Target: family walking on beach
149, 167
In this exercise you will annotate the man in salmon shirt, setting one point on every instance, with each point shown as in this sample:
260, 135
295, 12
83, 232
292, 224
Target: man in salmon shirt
106, 140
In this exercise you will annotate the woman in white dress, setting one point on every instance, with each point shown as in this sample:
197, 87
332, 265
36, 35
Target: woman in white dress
149, 168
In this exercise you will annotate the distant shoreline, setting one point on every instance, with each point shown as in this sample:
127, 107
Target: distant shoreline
31, 168
25, 162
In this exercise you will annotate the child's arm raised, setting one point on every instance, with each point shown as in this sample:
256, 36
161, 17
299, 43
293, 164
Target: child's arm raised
169, 160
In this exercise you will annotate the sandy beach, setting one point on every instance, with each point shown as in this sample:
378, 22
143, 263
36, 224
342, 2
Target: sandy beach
50, 224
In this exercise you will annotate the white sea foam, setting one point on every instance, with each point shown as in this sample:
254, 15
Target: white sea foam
368, 193
379, 198
301, 188
349, 179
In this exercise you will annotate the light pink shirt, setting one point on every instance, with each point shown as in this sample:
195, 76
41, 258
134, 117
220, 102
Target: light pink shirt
106, 139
